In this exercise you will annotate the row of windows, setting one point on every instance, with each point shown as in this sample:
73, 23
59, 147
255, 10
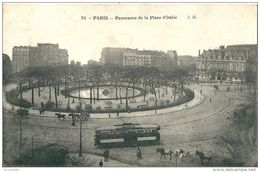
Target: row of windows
20, 49
115, 132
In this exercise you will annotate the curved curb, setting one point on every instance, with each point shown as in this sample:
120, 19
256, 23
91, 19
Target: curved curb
132, 114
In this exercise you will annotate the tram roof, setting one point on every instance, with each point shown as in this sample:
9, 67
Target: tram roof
131, 126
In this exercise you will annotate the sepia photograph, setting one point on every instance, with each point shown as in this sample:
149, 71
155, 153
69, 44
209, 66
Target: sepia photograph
130, 85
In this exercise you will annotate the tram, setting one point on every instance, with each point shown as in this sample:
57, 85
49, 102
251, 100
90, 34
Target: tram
127, 134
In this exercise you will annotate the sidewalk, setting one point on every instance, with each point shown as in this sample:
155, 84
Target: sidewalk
91, 160
198, 98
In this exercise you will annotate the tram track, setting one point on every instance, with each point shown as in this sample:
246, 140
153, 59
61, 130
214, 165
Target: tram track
200, 119
162, 124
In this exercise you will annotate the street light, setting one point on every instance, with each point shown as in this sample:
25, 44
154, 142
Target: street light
22, 114
80, 130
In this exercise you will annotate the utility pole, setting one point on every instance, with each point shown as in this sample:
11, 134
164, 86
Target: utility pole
20, 145
32, 147
80, 139
80, 131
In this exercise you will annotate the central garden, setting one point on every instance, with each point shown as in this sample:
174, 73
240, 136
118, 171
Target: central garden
99, 89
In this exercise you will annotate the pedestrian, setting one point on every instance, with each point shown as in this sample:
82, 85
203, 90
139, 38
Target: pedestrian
117, 113
109, 115
100, 163
106, 155
139, 153
209, 99
227, 115
42, 108
73, 120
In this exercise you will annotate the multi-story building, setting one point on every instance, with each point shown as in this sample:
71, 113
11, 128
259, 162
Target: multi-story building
50, 54
227, 63
173, 54
7, 67
42, 55
150, 58
135, 57
20, 58
112, 56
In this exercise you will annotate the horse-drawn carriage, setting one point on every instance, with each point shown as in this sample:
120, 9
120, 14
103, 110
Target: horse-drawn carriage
83, 116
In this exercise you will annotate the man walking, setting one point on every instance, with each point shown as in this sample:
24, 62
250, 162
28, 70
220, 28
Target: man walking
139, 153
106, 155
100, 163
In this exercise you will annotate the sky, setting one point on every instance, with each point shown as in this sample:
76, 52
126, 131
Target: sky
218, 24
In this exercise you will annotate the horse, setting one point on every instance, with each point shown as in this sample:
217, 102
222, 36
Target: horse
178, 152
60, 116
185, 156
164, 153
202, 157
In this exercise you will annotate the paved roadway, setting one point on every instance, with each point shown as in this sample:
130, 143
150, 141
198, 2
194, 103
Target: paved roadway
191, 129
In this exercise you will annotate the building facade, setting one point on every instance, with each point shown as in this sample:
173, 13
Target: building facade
174, 56
7, 67
42, 55
229, 63
112, 56
20, 58
135, 57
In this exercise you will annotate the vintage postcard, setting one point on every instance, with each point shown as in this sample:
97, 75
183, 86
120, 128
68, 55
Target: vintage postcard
129, 85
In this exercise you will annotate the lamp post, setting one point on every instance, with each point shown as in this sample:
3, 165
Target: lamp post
85, 116
80, 131
22, 114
